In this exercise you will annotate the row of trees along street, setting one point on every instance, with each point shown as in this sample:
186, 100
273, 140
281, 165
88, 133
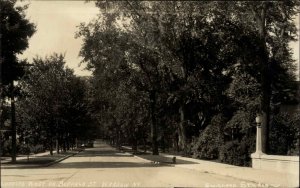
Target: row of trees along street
15, 31
43, 104
193, 75
180, 76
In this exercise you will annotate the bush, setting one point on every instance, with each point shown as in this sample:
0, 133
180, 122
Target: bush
238, 153
240, 139
284, 135
37, 149
210, 140
6, 149
23, 149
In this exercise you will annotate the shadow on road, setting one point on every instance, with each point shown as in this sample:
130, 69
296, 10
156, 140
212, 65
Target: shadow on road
95, 152
163, 159
104, 156
102, 165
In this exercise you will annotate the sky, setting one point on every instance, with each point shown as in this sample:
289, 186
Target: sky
56, 23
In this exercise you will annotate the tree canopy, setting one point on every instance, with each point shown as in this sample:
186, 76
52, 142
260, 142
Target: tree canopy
53, 105
188, 59
15, 31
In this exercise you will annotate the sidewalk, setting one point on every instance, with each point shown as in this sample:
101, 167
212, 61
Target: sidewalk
260, 178
36, 160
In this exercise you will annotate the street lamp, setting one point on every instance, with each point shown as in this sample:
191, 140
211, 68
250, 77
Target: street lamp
258, 121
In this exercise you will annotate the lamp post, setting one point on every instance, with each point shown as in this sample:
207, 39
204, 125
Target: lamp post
258, 121
257, 156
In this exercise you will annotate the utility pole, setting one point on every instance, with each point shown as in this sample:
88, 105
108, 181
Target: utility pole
1, 110
298, 46
13, 125
0, 127
13, 120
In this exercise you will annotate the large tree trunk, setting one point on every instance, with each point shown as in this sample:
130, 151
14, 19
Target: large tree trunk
144, 144
265, 110
134, 145
265, 78
64, 142
182, 130
68, 143
119, 143
51, 147
57, 144
163, 144
152, 97
135, 141
175, 142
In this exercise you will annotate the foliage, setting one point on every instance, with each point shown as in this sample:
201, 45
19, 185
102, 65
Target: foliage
164, 72
14, 34
284, 135
15, 31
122, 82
6, 147
181, 64
238, 152
210, 140
53, 105
25, 149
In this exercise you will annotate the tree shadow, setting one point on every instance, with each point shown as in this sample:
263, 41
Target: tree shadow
164, 160
102, 165
107, 153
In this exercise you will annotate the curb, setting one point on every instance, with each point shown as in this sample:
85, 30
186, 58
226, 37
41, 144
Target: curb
148, 160
254, 181
41, 165
59, 160
145, 160
156, 162
135, 156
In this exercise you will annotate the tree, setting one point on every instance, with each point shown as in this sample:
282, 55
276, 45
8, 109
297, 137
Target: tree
15, 30
273, 23
106, 50
53, 106
185, 47
191, 57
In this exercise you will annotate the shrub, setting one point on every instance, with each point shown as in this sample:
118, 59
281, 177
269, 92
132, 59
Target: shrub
37, 148
284, 135
23, 149
6, 149
238, 153
210, 140
239, 139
